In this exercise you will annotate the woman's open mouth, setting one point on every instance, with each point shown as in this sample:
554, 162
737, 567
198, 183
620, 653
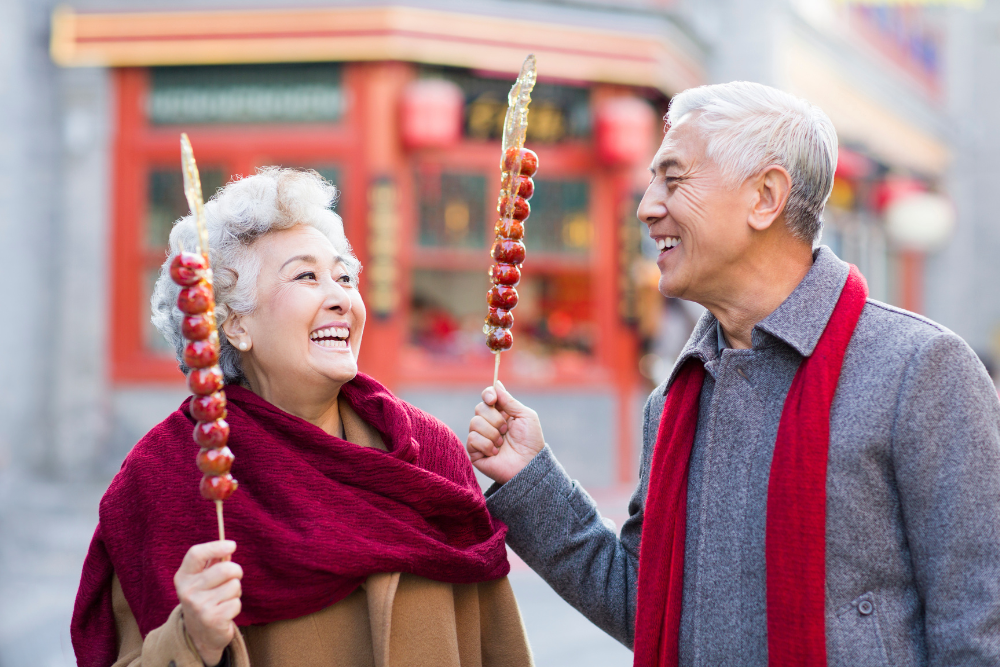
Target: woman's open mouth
334, 338
667, 243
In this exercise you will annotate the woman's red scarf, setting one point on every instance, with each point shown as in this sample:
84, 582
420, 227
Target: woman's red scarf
796, 506
313, 518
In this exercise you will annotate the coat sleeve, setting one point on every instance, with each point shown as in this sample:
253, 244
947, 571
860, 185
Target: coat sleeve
168, 644
554, 526
946, 459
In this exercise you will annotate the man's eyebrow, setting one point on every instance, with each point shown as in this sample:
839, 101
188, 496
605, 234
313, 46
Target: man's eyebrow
665, 163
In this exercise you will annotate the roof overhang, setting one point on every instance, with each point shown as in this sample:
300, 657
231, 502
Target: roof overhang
370, 33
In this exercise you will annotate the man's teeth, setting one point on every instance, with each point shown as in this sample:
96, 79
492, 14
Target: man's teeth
669, 242
334, 337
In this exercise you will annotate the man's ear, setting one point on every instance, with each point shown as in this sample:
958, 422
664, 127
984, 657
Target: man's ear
773, 186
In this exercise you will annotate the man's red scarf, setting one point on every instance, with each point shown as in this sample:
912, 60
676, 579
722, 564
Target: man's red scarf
796, 506
314, 516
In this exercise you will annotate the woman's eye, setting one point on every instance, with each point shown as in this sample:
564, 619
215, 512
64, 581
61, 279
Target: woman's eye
308, 275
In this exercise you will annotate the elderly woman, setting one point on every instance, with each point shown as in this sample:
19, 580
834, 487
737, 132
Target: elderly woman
362, 535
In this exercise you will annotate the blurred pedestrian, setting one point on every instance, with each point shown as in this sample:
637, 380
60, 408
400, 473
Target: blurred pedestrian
820, 476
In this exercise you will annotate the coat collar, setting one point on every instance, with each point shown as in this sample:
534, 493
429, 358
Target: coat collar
798, 322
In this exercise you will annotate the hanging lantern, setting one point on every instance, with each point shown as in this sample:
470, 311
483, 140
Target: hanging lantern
920, 221
431, 114
624, 131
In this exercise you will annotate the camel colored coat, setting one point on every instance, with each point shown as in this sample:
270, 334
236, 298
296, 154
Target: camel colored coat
392, 620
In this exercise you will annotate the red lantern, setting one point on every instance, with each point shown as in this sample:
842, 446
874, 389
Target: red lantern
624, 131
431, 114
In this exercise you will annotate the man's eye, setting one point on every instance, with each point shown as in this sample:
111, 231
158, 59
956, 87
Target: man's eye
346, 279
307, 275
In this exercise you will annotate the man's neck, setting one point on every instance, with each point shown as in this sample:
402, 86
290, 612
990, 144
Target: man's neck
760, 286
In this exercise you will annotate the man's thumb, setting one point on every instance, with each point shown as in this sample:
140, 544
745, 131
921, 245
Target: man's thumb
508, 403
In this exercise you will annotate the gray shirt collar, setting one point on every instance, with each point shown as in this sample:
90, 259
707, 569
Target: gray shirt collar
799, 321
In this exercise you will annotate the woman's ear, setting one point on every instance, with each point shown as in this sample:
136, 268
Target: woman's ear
236, 332
773, 187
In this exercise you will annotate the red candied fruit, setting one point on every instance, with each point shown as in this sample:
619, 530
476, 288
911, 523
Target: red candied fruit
196, 299
505, 274
215, 461
198, 327
498, 317
509, 229
507, 251
202, 353
187, 268
213, 434
218, 487
205, 381
209, 408
501, 296
520, 211
525, 186
499, 340
529, 161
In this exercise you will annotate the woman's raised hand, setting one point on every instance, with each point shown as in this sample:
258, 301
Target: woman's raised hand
504, 435
209, 590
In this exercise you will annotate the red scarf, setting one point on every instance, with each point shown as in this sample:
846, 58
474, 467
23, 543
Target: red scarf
796, 506
314, 516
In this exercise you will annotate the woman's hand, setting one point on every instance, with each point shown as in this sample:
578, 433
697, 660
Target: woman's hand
503, 436
209, 590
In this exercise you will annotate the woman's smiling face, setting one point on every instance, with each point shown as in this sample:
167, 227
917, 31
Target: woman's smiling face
305, 333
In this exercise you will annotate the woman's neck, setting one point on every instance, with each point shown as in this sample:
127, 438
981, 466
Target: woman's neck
319, 408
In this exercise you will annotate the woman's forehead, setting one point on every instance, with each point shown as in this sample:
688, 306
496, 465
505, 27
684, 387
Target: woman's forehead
301, 241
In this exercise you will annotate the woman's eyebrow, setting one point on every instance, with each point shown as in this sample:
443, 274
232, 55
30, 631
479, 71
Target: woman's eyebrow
337, 259
297, 258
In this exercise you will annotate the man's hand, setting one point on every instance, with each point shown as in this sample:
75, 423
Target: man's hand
209, 590
503, 436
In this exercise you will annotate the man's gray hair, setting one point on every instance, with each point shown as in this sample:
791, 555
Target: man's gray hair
238, 215
749, 126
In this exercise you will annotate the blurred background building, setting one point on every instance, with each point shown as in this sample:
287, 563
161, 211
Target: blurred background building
400, 105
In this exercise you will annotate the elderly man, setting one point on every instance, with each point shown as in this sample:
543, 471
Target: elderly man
820, 477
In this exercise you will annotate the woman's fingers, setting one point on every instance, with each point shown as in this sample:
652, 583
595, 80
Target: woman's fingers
200, 556
220, 573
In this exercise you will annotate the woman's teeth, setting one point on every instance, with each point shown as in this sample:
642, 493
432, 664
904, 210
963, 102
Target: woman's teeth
667, 243
332, 337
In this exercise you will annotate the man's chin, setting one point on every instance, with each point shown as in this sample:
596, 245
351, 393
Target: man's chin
669, 286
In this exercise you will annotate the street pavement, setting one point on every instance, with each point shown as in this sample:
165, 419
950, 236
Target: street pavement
45, 529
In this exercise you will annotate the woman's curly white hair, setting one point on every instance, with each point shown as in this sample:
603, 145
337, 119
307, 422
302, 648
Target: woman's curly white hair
237, 216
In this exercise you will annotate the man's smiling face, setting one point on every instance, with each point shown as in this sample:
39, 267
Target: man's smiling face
699, 224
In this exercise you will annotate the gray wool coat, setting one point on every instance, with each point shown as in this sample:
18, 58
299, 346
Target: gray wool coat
913, 496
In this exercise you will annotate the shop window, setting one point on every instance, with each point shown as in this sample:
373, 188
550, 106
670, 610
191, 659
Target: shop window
453, 209
560, 219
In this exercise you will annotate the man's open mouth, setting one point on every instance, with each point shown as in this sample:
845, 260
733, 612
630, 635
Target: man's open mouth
667, 243
332, 337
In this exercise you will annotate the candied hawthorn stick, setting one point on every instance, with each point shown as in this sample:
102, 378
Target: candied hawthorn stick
201, 352
517, 165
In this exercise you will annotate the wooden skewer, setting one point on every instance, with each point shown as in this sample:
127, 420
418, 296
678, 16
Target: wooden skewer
496, 369
222, 526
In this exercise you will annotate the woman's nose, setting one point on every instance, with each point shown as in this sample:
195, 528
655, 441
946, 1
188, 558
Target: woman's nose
337, 299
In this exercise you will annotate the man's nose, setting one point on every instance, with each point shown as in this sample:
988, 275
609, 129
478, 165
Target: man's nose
652, 207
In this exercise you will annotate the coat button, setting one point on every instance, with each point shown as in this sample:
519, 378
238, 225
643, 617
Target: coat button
865, 607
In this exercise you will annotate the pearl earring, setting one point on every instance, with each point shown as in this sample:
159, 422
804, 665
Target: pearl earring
243, 346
